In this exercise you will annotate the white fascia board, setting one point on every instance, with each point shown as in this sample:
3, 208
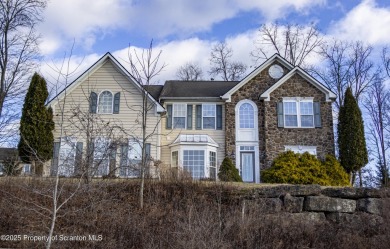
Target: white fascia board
78, 80
275, 57
329, 94
93, 69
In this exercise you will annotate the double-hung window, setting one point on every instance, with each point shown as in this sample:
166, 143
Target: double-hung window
131, 158
213, 164
298, 113
306, 111
175, 158
67, 154
101, 156
209, 116
179, 116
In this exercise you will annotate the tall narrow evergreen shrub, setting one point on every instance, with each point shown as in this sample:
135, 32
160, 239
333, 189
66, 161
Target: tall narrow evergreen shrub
36, 126
351, 140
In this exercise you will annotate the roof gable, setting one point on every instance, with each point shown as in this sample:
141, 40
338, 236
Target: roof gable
297, 70
97, 65
254, 73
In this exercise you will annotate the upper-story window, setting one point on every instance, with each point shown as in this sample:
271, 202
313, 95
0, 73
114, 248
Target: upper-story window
209, 116
105, 102
179, 116
246, 116
298, 113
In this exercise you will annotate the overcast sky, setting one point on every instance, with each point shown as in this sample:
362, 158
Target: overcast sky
185, 30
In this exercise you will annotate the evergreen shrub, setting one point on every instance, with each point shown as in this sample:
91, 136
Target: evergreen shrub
228, 171
304, 168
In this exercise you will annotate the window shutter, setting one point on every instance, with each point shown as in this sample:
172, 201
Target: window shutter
189, 117
117, 98
199, 117
219, 117
112, 164
317, 114
123, 161
169, 117
54, 160
79, 157
90, 156
280, 114
147, 150
93, 102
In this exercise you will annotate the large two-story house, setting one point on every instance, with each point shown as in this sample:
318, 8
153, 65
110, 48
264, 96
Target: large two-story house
193, 125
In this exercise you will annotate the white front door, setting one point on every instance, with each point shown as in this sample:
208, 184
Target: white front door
248, 166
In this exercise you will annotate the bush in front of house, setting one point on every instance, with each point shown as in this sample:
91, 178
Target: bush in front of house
228, 172
304, 168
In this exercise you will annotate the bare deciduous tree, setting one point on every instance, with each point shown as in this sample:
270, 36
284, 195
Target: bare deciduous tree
362, 69
386, 60
293, 42
346, 65
335, 72
377, 104
18, 52
190, 72
221, 64
145, 67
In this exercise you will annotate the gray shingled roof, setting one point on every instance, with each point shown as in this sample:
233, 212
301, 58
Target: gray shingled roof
154, 90
196, 89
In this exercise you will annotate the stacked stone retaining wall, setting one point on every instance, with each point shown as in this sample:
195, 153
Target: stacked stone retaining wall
318, 204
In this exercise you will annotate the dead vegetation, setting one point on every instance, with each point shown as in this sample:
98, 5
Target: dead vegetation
177, 214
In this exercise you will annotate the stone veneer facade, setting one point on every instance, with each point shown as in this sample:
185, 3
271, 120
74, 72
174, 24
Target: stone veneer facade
272, 139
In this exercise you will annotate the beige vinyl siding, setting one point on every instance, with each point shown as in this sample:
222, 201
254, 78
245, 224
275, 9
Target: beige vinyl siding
107, 77
169, 136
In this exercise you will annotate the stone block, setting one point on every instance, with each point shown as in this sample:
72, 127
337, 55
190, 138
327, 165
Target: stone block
356, 193
292, 204
280, 190
286, 219
328, 204
266, 205
370, 205
355, 220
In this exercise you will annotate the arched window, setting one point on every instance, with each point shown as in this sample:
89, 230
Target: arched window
246, 116
105, 102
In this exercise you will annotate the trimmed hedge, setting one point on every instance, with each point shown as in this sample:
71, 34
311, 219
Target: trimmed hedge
293, 168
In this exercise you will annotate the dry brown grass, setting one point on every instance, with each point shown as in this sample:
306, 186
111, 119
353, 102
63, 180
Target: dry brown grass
177, 214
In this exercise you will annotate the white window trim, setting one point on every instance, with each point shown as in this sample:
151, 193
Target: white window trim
67, 143
105, 156
297, 101
206, 148
137, 142
112, 103
177, 163
173, 115
242, 102
301, 149
29, 168
215, 117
